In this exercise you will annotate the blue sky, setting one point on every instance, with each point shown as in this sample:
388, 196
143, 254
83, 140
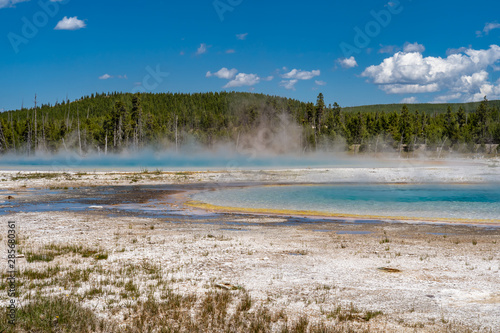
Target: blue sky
356, 53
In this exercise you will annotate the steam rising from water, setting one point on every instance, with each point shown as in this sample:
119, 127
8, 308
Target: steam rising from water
274, 142
196, 158
185, 159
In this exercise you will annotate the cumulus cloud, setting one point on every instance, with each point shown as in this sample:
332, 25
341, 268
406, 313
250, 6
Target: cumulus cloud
224, 73
105, 77
202, 49
460, 73
289, 84
10, 3
348, 62
295, 75
298, 74
71, 23
456, 51
320, 83
409, 100
487, 28
243, 79
415, 47
242, 36
238, 79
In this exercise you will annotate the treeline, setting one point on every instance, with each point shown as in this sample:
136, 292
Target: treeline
114, 122
429, 108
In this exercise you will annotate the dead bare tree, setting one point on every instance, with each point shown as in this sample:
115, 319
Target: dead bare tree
3, 142
36, 137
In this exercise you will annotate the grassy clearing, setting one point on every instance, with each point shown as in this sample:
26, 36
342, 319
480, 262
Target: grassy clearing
39, 175
143, 295
146, 303
56, 314
217, 311
49, 252
352, 313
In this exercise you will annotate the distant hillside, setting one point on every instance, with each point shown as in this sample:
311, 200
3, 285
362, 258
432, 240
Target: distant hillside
115, 122
427, 107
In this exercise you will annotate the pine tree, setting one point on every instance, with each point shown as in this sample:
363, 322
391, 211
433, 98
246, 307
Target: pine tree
320, 108
136, 115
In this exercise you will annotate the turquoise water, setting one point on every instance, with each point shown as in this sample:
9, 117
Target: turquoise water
448, 201
185, 160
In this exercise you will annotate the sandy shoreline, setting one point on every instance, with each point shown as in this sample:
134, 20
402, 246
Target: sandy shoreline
445, 276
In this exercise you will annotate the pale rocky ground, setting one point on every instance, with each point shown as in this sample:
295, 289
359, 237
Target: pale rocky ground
403, 170
450, 280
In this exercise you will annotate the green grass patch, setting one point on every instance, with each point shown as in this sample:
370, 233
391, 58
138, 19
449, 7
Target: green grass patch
55, 314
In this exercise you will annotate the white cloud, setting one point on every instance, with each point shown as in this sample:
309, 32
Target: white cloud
407, 47
320, 83
289, 84
410, 88
105, 77
202, 49
230, 51
456, 51
295, 75
269, 78
243, 79
242, 36
298, 74
465, 73
348, 62
71, 23
487, 28
409, 100
391, 49
447, 98
224, 73
415, 47
10, 3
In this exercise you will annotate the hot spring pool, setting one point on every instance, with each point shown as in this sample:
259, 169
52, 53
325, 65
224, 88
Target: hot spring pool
428, 201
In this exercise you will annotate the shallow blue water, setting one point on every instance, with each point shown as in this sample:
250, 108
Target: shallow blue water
417, 201
168, 160
194, 159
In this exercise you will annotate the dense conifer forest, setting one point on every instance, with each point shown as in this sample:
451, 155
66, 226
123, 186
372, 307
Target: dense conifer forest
114, 122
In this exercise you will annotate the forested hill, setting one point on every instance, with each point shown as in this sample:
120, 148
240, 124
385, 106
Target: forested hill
115, 122
422, 107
